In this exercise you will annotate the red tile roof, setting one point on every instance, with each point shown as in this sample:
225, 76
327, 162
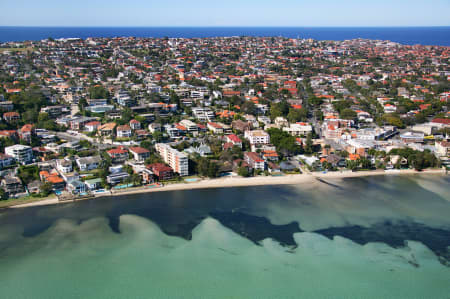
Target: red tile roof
139, 150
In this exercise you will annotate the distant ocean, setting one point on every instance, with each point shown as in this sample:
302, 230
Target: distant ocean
404, 35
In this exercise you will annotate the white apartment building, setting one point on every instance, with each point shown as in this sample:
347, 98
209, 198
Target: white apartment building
22, 153
298, 129
257, 137
203, 114
177, 160
189, 125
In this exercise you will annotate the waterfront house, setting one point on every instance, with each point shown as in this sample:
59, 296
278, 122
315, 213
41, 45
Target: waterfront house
12, 185
140, 154
118, 155
116, 178
88, 163
254, 160
161, 171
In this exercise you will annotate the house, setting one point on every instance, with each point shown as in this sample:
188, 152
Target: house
412, 137
76, 187
254, 160
6, 160
203, 150
161, 171
12, 185
389, 108
154, 127
118, 155
141, 134
234, 139
6, 106
257, 138
93, 184
240, 125
135, 125
116, 178
442, 148
298, 129
11, 117
9, 134
139, 153
22, 153
124, 131
215, 128
27, 132
273, 168
88, 163
92, 126
190, 126
396, 160
335, 160
53, 178
106, 129
270, 155
281, 122
34, 187
148, 176
65, 166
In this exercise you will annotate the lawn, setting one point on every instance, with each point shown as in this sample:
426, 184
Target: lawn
23, 200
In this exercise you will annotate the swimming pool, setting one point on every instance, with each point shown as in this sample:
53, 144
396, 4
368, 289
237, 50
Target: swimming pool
191, 180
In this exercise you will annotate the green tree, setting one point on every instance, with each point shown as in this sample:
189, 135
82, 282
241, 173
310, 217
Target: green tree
248, 107
347, 114
296, 115
243, 171
46, 189
3, 194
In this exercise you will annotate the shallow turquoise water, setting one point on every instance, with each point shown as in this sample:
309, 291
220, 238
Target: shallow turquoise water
77, 254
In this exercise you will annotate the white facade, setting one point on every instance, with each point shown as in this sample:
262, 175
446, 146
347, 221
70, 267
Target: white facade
22, 153
298, 129
257, 137
177, 160
189, 125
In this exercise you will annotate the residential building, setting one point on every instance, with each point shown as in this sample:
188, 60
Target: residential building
118, 155
92, 126
88, 163
161, 171
255, 160
140, 154
442, 148
22, 153
298, 129
234, 139
12, 185
257, 137
123, 131
65, 166
116, 178
135, 125
215, 128
106, 129
11, 117
175, 159
190, 126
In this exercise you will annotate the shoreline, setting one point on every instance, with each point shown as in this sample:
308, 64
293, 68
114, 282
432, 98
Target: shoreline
230, 182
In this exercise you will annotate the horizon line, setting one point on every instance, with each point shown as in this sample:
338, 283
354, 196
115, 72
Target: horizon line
221, 26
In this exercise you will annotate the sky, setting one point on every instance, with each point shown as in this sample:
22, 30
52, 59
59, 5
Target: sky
224, 13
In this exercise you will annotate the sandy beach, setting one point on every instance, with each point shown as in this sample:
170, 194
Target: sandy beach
243, 182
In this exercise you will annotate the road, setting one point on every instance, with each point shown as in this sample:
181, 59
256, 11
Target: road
79, 136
